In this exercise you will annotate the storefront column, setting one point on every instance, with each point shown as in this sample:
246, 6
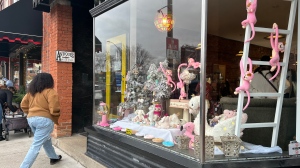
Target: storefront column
57, 35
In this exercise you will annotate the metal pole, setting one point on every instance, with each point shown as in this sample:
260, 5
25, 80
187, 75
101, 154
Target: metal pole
298, 85
94, 76
133, 35
203, 78
170, 12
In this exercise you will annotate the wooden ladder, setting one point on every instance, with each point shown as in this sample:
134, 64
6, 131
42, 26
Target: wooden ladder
284, 67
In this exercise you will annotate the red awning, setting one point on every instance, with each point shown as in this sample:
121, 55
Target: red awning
19, 40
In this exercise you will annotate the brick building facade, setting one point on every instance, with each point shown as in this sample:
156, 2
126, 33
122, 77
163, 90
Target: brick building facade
68, 27
57, 35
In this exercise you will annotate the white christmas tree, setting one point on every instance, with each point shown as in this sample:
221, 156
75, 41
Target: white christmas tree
156, 82
135, 96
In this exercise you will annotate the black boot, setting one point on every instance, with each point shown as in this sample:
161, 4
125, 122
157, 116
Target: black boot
53, 161
1, 136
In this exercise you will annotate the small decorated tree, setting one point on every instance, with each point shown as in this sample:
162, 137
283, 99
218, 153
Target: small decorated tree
156, 82
135, 97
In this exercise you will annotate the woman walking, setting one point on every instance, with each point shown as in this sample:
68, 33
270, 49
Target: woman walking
43, 110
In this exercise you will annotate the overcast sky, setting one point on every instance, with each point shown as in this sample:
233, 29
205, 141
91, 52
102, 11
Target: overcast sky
186, 13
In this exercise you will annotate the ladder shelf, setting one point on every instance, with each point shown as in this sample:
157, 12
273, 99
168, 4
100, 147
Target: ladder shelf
284, 66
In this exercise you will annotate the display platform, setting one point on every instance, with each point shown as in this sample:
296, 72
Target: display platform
116, 149
165, 134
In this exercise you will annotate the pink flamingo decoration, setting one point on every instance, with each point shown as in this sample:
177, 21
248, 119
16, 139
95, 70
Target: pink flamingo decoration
277, 47
168, 74
191, 62
251, 18
247, 77
180, 84
189, 129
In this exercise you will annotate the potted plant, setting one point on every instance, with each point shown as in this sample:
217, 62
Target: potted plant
17, 98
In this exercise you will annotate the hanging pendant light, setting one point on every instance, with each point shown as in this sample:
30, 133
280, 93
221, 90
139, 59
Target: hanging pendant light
163, 22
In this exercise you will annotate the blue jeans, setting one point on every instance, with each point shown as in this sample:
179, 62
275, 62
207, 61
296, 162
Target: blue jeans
42, 128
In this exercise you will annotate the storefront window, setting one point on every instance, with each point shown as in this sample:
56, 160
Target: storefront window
15, 72
33, 68
30, 69
131, 40
3, 68
147, 72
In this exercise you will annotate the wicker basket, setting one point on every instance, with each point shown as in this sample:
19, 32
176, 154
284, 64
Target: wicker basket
182, 141
231, 145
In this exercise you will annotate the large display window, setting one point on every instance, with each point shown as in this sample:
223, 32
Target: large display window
163, 76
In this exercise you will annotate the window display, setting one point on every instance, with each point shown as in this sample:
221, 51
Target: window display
136, 68
147, 76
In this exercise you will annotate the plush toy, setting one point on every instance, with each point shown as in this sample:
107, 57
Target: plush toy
182, 90
229, 113
223, 128
182, 122
227, 127
226, 115
168, 75
277, 47
156, 112
189, 129
174, 121
192, 63
194, 108
139, 116
194, 105
251, 18
151, 115
247, 78
214, 121
164, 123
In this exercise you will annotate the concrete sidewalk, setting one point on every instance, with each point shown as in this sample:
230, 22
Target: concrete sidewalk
75, 146
12, 153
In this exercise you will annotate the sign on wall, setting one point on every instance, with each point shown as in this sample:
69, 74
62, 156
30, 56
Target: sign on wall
172, 48
65, 56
